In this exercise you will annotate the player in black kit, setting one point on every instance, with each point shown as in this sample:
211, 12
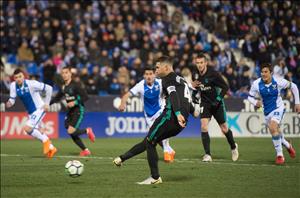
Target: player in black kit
75, 97
212, 88
171, 122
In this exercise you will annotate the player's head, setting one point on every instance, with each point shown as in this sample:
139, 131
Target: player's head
149, 75
66, 74
201, 62
19, 76
266, 70
164, 66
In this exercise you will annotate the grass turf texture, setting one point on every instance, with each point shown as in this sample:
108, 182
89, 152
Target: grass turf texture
25, 173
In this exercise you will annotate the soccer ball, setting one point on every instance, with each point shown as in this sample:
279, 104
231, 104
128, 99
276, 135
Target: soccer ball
74, 168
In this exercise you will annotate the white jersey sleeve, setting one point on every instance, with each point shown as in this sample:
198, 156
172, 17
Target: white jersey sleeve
137, 89
13, 93
254, 92
283, 83
42, 87
161, 96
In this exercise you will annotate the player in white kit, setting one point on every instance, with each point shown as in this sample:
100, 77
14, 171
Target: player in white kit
269, 89
150, 92
29, 91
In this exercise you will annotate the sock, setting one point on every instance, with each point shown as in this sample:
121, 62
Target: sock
78, 141
206, 142
277, 144
284, 142
79, 132
166, 145
38, 135
51, 147
135, 150
152, 158
230, 139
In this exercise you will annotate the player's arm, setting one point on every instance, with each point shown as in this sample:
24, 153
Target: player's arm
12, 95
45, 90
285, 84
57, 97
83, 96
251, 96
220, 82
135, 90
124, 99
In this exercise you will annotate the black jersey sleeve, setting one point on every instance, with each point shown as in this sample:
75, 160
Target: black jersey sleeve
169, 84
57, 97
220, 83
83, 96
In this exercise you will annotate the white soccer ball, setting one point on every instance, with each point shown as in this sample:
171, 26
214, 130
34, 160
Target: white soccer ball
74, 168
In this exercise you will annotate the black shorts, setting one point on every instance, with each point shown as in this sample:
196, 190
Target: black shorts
74, 117
165, 126
219, 112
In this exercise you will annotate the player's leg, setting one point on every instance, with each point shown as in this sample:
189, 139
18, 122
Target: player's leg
276, 139
32, 128
135, 150
165, 127
288, 145
72, 121
169, 153
273, 120
205, 118
220, 116
78, 132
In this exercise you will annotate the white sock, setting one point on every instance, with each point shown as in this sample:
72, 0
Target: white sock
51, 147
166, 146
38, 135
285, 143
277, 144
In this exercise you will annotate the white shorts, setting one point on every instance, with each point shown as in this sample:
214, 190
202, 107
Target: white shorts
275, 115
34, 119
150, 120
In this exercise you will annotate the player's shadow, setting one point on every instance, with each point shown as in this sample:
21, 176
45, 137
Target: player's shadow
75, 182
179, 178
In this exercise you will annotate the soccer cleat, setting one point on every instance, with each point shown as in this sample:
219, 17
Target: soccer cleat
51, 152
279, 160
292, 151
168, 158
85, 152
207, 158
235, 153
118, 161
46, 147
173, 155
150, 181
90, 134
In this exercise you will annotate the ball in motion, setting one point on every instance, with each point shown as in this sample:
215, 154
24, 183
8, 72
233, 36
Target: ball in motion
74, 168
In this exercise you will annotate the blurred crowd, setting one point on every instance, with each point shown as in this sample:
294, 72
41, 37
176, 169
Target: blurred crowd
108, 43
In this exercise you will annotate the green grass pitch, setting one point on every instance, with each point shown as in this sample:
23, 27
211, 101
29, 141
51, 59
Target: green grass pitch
26, 173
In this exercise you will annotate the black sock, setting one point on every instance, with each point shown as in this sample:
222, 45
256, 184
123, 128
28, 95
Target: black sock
206, 142
78, 141
230, 139
135, 150
79, 132
152, 158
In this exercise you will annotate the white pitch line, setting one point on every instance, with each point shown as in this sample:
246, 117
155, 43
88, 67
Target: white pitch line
198, 161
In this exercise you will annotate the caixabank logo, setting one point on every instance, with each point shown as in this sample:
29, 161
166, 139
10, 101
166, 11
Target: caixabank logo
254, 124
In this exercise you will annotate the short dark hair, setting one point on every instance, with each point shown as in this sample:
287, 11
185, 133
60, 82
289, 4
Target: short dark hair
165, 59
149, 68
66, 67
17, 71
266, 65
201, 55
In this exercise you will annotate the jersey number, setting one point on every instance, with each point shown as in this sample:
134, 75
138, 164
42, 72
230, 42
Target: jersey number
187, 94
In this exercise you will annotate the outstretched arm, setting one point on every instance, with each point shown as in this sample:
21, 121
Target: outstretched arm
124, 99
295, 92
12, 96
